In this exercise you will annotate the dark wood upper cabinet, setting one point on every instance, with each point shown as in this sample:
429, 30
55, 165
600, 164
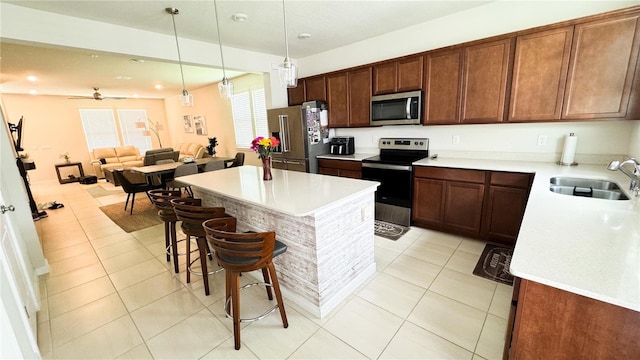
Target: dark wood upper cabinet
442, 87
384, 78
404, 74
484, 81
349, 98
603, 60
540, 69
410, 73
360, 97
337, 100
296, 94
315, 88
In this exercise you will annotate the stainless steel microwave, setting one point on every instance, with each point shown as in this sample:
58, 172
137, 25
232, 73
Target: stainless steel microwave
396, 109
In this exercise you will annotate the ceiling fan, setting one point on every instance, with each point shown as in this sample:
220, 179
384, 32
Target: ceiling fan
97, 96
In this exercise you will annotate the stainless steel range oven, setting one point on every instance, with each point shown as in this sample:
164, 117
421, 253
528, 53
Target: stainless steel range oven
392, 168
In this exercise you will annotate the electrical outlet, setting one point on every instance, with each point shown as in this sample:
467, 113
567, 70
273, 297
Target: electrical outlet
455, 139
542, 140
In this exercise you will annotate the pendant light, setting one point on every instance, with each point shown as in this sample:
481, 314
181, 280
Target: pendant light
225, 86
186, 99
287, 71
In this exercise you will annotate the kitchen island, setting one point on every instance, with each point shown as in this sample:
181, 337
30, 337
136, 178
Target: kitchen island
326, 222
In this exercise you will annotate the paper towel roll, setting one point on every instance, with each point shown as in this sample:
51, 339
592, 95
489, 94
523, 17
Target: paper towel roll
569, 151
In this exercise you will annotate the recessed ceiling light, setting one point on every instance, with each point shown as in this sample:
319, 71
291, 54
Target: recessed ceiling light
95, 56
304, 36
33, 92
239, 17
139, 61
32, 78
158, 87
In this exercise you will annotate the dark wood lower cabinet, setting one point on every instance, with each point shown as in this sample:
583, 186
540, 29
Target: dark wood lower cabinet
463, 206
487, 205
431, 192
343, 168
555, 324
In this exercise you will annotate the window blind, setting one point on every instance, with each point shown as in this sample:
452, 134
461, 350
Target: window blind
260, 112
99, 128
132, 135
242, 122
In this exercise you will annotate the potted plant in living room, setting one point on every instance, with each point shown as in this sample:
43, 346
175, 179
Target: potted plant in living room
66, 157
264, 146
211, 148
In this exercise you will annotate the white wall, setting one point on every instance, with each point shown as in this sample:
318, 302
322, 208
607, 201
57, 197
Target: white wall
598, 142
634, 141
495, 18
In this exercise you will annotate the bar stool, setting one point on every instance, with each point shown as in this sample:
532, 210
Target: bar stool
192, 214
245, 252
162, 200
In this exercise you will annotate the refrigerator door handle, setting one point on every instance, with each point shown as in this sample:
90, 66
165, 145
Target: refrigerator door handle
284, 132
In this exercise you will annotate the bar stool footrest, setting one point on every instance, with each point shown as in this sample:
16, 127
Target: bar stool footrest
168, 249
199, 273
248, 320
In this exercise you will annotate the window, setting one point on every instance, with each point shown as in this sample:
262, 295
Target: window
249, 117
132, 135
99, 128
101, 131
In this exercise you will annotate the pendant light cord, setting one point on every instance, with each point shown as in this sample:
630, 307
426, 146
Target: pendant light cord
224, 74
173, 12
286, 40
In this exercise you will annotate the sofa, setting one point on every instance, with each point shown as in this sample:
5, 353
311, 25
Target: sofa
151, 157
120, 157
193, 150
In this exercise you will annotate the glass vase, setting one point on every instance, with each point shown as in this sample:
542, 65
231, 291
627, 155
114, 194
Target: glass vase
266, 169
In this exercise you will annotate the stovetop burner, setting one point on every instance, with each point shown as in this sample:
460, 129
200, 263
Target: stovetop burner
400, 151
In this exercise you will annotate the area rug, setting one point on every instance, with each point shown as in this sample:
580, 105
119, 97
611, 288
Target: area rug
494, 264
389, 231
144, 214
99, 191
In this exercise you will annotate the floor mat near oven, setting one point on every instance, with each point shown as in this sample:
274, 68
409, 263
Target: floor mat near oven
494, 264
390, 231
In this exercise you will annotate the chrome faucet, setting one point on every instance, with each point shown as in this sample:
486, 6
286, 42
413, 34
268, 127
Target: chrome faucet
634, 174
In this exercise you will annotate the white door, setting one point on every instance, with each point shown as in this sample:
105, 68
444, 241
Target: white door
20, 250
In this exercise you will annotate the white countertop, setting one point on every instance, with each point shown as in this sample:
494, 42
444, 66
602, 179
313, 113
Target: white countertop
586, 246
290, 192
354, 157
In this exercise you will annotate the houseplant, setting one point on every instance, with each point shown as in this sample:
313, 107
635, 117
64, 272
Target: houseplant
66, 157
211, 148
264, 146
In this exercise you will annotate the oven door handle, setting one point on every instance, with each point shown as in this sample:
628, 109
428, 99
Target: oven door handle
387, 166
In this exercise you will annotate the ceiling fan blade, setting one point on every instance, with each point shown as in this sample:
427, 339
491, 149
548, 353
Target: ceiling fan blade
81, 97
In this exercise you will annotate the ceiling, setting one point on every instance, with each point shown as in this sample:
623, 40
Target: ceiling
72, 71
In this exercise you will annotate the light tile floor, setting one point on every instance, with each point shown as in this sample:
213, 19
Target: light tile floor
111, 294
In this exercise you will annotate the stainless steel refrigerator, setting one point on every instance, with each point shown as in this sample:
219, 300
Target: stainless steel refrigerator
303, 133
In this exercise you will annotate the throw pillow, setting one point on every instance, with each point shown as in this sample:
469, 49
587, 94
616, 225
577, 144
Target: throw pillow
103, 161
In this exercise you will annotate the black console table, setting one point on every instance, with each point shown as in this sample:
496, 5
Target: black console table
68, 180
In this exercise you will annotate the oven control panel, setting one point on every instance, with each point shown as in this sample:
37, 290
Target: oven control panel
404, 143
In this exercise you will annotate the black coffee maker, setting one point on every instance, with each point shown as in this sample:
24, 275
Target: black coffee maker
344, 145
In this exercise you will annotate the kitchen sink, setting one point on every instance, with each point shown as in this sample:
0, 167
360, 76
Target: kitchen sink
600, 189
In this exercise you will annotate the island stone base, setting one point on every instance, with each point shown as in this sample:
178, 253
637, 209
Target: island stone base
329, 253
